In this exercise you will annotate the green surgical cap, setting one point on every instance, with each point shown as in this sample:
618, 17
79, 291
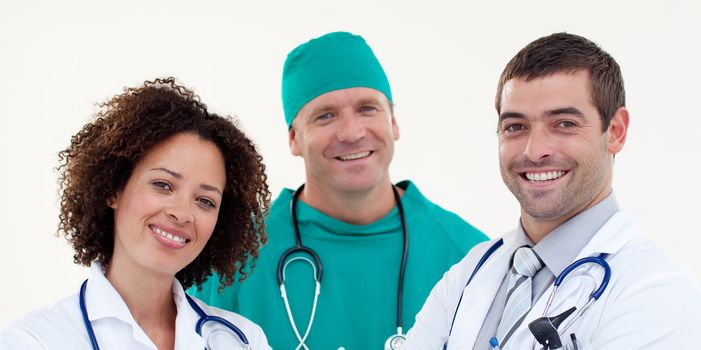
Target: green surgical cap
331, 62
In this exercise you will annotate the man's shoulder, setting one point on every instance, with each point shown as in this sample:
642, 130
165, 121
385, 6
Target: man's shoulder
281, 203
441, 219
642, 259
419, 202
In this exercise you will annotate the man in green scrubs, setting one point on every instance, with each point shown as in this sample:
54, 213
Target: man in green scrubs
338, 108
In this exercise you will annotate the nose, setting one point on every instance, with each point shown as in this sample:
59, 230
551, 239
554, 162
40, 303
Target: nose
539, 145
351, 128
179, 212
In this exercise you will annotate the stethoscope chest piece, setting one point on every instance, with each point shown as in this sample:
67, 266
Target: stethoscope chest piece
396, 341
223, 340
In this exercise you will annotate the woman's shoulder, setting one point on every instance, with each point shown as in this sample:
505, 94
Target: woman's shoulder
43, 327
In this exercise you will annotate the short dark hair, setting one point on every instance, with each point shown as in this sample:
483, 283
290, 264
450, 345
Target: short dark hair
563, 52
100, 159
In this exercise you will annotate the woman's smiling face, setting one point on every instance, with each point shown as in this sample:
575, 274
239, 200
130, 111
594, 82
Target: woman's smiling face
168, 208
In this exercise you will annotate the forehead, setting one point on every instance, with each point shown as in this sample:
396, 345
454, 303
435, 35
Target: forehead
558, 90
188, 154
343, 97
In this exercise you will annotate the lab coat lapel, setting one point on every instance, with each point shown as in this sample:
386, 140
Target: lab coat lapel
185, 321
479, 295
580, 283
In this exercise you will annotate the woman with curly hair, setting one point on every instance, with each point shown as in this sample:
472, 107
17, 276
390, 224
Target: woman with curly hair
156, 193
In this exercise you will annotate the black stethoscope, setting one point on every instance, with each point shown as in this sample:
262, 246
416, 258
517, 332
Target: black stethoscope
204, 318
550, 334
395, 341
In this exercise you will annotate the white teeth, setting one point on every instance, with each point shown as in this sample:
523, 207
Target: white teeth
355, 156
168, 236
545, 176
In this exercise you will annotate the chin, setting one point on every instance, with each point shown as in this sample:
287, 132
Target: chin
357, 186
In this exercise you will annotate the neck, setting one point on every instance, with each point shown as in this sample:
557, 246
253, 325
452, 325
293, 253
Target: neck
358, 208
537, 228
151, 303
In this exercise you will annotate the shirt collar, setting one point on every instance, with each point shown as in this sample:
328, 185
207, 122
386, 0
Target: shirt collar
413, 201
186, 320
103, 301
561, 246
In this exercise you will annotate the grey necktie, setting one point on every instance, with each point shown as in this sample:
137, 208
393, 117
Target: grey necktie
520, 294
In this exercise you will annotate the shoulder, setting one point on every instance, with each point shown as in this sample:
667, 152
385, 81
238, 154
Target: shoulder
459, 273
281, 204
650, 296
643, 264
461, 232
280, 216
41, 328
642, 272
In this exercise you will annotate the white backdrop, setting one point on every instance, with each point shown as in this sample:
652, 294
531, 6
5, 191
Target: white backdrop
443, 58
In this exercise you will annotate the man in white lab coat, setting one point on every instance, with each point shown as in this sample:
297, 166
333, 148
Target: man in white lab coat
562, 119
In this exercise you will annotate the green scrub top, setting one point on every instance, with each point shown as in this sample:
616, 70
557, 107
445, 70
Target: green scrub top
358, 300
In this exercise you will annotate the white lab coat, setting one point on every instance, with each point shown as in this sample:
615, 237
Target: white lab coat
650, 303
60, 326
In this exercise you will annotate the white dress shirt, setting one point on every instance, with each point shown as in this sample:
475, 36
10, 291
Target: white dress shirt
61, 326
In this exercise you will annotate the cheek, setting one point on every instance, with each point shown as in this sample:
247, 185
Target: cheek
132, 207
206, 225
505, 150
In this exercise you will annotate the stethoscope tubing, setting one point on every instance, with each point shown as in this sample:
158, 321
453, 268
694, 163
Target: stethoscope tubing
481, 262
204, 318
300, 247
86, 320
599, 260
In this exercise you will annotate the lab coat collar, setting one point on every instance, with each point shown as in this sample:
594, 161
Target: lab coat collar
616, 232
103, 301
479, 294
610, 239
185, 321
559, 247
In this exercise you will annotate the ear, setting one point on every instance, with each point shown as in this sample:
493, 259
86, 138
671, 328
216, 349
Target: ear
292, 139
395, 128
617, 130
113, 201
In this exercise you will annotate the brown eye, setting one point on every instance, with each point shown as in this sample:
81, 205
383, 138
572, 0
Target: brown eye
513, 127
162, 185
207, 202
566, 124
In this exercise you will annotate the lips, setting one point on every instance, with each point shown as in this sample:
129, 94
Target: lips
544, 175
354, 156
170, 237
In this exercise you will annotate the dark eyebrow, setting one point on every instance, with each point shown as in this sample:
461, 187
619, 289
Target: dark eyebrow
506, 115
171, 172
566, 110
179, 176
551, 113
211, 188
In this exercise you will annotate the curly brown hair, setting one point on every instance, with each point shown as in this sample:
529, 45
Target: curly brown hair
101, 157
